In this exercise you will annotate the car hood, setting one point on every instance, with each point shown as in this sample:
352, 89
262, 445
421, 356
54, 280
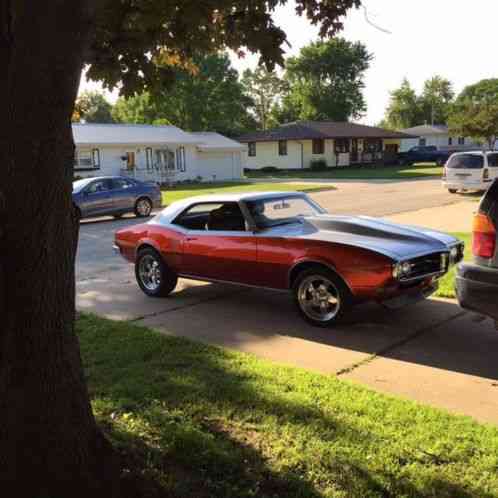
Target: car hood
398, 242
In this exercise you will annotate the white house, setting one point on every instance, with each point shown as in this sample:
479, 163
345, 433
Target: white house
337, 144
159, 153
437, 135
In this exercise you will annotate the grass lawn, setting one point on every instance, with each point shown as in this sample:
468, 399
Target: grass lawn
361, 173
195, 421
447, 284
179, 192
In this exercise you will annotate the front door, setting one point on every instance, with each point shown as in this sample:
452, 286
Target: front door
354, 150
217, 244
97, 198
123, 194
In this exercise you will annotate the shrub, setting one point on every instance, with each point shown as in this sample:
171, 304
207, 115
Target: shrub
318, 165
269, 169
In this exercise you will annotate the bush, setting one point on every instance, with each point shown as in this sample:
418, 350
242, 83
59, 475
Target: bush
269, 169
318, 165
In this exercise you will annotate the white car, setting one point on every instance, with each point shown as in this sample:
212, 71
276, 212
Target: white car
470, 171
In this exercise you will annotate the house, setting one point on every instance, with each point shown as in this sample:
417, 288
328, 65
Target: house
437, 135
158, 153
297, 145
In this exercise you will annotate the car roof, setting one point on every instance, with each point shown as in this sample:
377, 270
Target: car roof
474, 152
239, 196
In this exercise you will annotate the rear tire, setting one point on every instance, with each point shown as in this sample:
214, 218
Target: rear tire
452, 190
143, 207
153, 276
321, 296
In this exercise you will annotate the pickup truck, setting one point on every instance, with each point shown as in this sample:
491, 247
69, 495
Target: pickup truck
424, 154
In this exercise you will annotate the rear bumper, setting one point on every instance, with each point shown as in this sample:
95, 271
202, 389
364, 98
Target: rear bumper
454, 185
477, 289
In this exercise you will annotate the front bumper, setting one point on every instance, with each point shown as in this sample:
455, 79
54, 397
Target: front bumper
477, 289
411, 296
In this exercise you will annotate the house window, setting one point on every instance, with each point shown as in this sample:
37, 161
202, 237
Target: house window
148, 158
450, 141
461, 141
86, 159
282, 147
372, 145
252, 149
422, 142
318, 146
392, 148
341, 145
180, 159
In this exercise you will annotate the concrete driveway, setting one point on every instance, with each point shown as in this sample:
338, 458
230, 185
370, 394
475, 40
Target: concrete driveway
433, 352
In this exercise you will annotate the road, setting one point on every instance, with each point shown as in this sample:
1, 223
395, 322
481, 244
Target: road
434, 352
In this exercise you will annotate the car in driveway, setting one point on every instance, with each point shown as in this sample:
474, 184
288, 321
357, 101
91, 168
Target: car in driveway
287, 242
423, 154
115, 196
474, 170
477, 282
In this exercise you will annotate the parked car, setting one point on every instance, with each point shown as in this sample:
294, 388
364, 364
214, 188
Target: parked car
285, 241
470, 171
477, 282
116, 196
424, 154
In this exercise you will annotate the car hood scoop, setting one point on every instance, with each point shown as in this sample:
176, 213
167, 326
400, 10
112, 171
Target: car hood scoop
392, 240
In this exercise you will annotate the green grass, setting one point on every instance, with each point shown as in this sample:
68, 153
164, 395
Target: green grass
195, 421
422, 170
447, 284
183, 191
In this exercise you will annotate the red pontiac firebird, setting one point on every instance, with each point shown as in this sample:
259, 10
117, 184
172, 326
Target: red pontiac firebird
285, 241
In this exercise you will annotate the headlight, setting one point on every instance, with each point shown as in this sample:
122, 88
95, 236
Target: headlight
402, 270
454, 253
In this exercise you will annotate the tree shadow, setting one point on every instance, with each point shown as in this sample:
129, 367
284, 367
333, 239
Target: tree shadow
192, 421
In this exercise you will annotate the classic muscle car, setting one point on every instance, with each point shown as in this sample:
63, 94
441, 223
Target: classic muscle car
285, 241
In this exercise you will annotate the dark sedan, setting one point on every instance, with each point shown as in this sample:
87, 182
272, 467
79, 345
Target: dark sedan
477, 283
115, 196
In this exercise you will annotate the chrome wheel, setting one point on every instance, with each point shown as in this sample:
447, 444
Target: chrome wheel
319, 298
144, 207
149, 272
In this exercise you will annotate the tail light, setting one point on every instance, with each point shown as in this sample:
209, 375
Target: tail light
485, 175
484, 243
444, 174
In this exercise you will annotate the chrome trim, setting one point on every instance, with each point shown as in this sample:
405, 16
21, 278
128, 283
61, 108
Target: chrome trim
116, 249
229, 282
423, 277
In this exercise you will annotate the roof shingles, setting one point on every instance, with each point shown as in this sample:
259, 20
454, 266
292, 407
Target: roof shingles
308, 130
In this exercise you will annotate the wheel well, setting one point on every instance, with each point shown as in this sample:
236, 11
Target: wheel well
308, 265
145, 246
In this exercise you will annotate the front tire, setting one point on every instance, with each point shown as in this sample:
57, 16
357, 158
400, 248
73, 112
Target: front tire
452, 190
143, 207
153, 276
321, 296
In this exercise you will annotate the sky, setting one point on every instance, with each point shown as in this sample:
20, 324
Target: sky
453, 38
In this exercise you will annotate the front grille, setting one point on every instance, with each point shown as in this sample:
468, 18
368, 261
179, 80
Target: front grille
428, 265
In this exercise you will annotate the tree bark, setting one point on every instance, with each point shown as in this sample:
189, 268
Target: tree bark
50, 444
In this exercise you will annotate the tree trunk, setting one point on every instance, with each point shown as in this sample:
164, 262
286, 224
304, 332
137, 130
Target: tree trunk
49, 442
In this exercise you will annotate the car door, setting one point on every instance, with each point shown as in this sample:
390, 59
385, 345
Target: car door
217, 244
123, 194
97, 198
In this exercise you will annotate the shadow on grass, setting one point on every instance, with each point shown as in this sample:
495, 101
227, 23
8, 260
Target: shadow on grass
196, 421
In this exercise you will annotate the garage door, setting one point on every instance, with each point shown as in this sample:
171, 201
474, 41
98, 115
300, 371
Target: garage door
219, 166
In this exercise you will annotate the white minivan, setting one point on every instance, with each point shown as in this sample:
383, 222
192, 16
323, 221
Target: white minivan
470, 171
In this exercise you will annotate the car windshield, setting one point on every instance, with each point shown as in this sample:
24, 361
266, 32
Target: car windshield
79, 185
466, 161
269, 213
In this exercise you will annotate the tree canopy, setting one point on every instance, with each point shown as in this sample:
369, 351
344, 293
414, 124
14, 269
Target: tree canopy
325, 82
209, 98
407, 109
475, 112
92, 107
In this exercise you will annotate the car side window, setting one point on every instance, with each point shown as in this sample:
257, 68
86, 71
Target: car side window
493, 160
98, 186
213, 217
121, 183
